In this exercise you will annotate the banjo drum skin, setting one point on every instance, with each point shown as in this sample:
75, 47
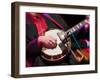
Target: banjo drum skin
59, 52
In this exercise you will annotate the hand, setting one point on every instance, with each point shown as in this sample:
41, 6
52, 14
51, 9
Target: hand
47, 41
87, 22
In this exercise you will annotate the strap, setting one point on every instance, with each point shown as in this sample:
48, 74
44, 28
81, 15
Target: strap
53, 20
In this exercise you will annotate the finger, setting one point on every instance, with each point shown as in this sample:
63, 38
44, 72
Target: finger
52, 45
48, 45
53, 41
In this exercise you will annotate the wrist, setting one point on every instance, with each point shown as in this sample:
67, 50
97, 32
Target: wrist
40, 41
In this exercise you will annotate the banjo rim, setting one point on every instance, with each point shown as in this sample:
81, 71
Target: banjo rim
57, 57
53, 58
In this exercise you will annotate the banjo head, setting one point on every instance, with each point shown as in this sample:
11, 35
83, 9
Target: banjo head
57, 53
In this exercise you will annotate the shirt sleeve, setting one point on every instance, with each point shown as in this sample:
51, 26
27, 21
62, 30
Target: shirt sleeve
32, 45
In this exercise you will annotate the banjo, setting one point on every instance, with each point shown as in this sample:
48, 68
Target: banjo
63, 43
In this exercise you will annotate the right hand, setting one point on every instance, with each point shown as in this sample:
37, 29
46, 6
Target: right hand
47, 41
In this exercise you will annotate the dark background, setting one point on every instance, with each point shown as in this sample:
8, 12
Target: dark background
72, 20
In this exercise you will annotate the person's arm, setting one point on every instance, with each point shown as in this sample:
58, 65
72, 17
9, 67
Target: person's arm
35, 42
32, 40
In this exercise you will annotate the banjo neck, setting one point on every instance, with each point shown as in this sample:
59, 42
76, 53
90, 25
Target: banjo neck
75, 28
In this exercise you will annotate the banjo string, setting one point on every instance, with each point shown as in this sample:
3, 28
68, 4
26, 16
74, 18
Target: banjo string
76, 41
